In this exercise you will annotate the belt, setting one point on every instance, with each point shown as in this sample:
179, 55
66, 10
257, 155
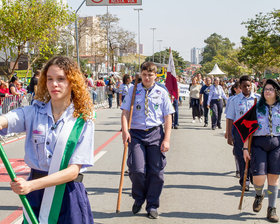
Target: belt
149, 129
39, 174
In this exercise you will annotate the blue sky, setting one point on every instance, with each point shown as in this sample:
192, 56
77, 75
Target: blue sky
183, 24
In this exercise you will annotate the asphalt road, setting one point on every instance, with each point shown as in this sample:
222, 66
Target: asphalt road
200, 186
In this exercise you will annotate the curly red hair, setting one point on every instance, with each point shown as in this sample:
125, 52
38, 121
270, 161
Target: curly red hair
79, 94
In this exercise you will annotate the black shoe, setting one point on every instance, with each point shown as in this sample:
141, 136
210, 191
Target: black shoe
153, 214
271, 215
205, 125
175, 127
136, 208
213, 128
219, 127
257, 205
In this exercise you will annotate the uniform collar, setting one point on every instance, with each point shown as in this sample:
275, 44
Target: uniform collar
250, 96
69, 111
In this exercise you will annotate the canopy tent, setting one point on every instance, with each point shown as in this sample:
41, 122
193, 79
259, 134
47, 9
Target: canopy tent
216, 71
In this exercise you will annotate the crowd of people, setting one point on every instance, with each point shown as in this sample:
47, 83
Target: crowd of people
60, 122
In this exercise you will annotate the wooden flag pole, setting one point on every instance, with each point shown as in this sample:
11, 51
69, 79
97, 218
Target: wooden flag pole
12, 175
126, 146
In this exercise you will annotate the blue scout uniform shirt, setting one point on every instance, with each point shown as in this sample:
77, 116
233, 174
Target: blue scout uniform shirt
228, 102
124, 89
42, 133
216, 93
205, 90
239, 105
265, 127
159, 106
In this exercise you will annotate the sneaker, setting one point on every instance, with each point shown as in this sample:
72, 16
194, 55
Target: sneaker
205, 125
193, 121
153, 214
247, 188
271, 215
175, 127
213, 128
257, 205
200, 120
237, 174
136, 208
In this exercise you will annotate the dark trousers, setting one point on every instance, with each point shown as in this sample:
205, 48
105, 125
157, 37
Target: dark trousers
217, 109
146, 166
176, 114
238, 152
196, 108
110, 100
206, 111
118, 99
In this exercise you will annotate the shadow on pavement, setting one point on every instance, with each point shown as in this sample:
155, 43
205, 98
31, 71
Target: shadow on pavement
191, 215
101, 191
201, 173
204, 187
103, 215
10, 208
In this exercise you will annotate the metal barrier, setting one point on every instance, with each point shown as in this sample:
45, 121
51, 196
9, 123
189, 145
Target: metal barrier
100, 98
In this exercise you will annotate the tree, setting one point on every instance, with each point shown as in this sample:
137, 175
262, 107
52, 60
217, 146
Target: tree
163, 58
261, 47
28, 26
118, 38
216, 45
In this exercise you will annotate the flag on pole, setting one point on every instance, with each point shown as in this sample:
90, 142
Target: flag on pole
171, 81
247, 124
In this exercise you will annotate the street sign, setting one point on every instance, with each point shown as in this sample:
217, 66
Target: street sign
113, 2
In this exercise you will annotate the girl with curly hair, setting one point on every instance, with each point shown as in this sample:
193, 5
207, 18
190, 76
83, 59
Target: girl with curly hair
265, 157
59, 144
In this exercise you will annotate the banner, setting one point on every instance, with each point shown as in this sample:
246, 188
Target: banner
183, 89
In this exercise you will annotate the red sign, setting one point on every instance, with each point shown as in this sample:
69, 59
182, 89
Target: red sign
113, 2
19, 166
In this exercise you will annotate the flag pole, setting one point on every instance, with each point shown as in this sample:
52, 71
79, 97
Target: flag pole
12, 175
126, 145
245, 174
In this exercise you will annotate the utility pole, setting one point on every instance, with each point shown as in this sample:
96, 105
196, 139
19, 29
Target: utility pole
108, 40
153, 29
159, 41
139, 9
76, 30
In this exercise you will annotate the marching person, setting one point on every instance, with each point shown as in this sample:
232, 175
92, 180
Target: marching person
59, 144
265, 156
147, 139
204, 92
194, 100
215, 103
237, 107
124, 87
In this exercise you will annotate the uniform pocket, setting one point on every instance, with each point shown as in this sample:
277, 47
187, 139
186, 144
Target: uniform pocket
39, 146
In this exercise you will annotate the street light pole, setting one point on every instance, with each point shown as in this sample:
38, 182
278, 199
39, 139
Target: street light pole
139, 9
107, 40
159, 41
153, 29
76, 30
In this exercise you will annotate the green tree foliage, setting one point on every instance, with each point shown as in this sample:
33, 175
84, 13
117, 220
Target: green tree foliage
163, 58
261, 47
216, 45
28, 26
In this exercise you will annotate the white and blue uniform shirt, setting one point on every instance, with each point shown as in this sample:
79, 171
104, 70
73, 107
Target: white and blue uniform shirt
265, 126
239, 105
228, 103
124, 89
42, 134
216, 93
159, 107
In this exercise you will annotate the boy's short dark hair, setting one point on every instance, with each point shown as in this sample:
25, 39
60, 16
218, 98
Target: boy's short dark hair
149, 66
245, 78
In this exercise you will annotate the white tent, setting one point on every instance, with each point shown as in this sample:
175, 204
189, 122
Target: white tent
216, 71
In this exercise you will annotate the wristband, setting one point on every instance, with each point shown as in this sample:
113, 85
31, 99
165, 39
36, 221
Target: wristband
244, 149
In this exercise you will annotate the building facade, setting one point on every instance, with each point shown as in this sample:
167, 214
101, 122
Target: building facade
196, 55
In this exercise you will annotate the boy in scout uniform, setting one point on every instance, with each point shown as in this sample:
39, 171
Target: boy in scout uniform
147, 139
